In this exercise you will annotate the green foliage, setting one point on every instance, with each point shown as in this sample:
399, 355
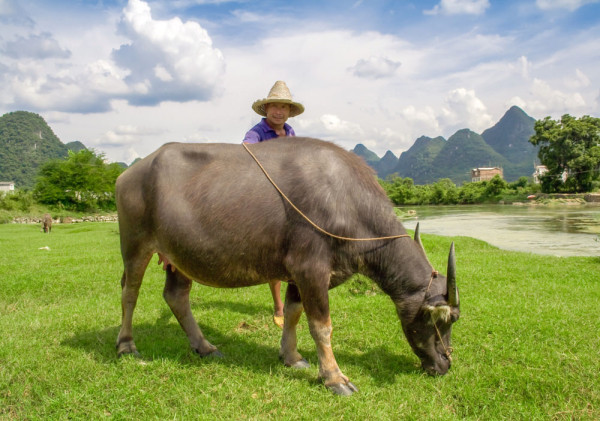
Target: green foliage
20, 200
399, 190
402, 191
471, 193
82, 182
495, 187
570, 146
444, 191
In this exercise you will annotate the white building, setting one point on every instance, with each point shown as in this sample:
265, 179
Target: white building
7, 186
486, 174
538, 172
541, 170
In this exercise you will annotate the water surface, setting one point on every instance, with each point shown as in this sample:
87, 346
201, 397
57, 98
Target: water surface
560, 230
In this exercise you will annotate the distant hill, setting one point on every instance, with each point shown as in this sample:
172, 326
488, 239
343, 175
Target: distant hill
26, 141
381, 166
464, 151
370, 157
510, 138
75, 146
387, 163
418, 162
506, 144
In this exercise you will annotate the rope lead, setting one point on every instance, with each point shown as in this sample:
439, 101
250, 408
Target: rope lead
315, 226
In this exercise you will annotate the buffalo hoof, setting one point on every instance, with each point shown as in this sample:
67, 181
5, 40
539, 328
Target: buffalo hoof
127, 348
134, 354
301, 364
343, 389
213, 354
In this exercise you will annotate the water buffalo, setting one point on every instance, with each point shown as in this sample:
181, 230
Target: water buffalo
213, 215
47, 223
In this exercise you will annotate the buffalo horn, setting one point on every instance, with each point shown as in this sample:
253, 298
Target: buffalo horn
451, 279
418, 237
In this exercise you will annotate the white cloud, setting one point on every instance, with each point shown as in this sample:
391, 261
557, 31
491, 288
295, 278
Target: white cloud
544, 100
42, 46
171, 60
66, 89
163, 60
464, 110
562, 4
339, 127
552, 100
245, 16
459, 7
12, 12
422, 120
579, 80
525, 67
163, 74
126, 135
375, 67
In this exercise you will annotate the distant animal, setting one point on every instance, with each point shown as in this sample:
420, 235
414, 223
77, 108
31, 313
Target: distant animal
211, 213
47, 223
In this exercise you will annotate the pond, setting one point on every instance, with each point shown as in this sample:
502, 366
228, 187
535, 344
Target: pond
559, 230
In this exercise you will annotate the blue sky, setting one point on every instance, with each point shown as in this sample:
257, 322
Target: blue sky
125, 76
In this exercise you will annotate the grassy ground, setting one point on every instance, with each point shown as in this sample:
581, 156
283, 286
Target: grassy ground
526, 346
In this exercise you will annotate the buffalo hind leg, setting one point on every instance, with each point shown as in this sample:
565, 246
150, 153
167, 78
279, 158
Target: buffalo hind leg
319, 322
292, 310
130, 288
177, 295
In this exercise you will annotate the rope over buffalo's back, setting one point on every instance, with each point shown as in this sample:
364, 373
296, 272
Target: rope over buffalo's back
318, 228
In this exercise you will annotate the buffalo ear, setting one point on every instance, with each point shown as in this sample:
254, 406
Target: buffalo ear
441, 312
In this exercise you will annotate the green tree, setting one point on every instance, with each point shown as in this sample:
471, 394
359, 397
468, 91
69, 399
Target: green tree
444, 191
521, 183
570, 146
18, 200
495, 187
471, 193
82, 182
400, 190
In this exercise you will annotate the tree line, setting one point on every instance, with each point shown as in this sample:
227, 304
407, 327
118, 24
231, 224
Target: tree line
569, 148
81, 182
403, 191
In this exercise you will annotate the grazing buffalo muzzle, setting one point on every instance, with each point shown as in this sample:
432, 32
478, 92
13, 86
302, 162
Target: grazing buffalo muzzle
428, 329
214, 217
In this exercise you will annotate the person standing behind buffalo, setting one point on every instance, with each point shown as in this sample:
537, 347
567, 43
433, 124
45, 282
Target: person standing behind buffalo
276, 108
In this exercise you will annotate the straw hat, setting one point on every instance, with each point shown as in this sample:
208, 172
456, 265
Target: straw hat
281, 94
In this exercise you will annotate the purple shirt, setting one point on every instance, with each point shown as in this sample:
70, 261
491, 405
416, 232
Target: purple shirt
262, 131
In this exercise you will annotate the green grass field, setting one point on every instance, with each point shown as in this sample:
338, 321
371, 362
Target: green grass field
526, 346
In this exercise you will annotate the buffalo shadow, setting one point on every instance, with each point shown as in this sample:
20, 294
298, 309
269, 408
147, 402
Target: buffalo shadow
164, 339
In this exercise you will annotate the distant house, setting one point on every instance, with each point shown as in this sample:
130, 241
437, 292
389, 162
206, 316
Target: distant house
542, 169
485, 174
7, 186
538, 172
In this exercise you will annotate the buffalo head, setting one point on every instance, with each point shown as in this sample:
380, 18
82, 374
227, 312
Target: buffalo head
427, 318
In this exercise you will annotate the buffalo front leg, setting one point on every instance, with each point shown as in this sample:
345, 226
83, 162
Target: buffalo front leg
177, 295
316, 305
130, 288
292, 310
